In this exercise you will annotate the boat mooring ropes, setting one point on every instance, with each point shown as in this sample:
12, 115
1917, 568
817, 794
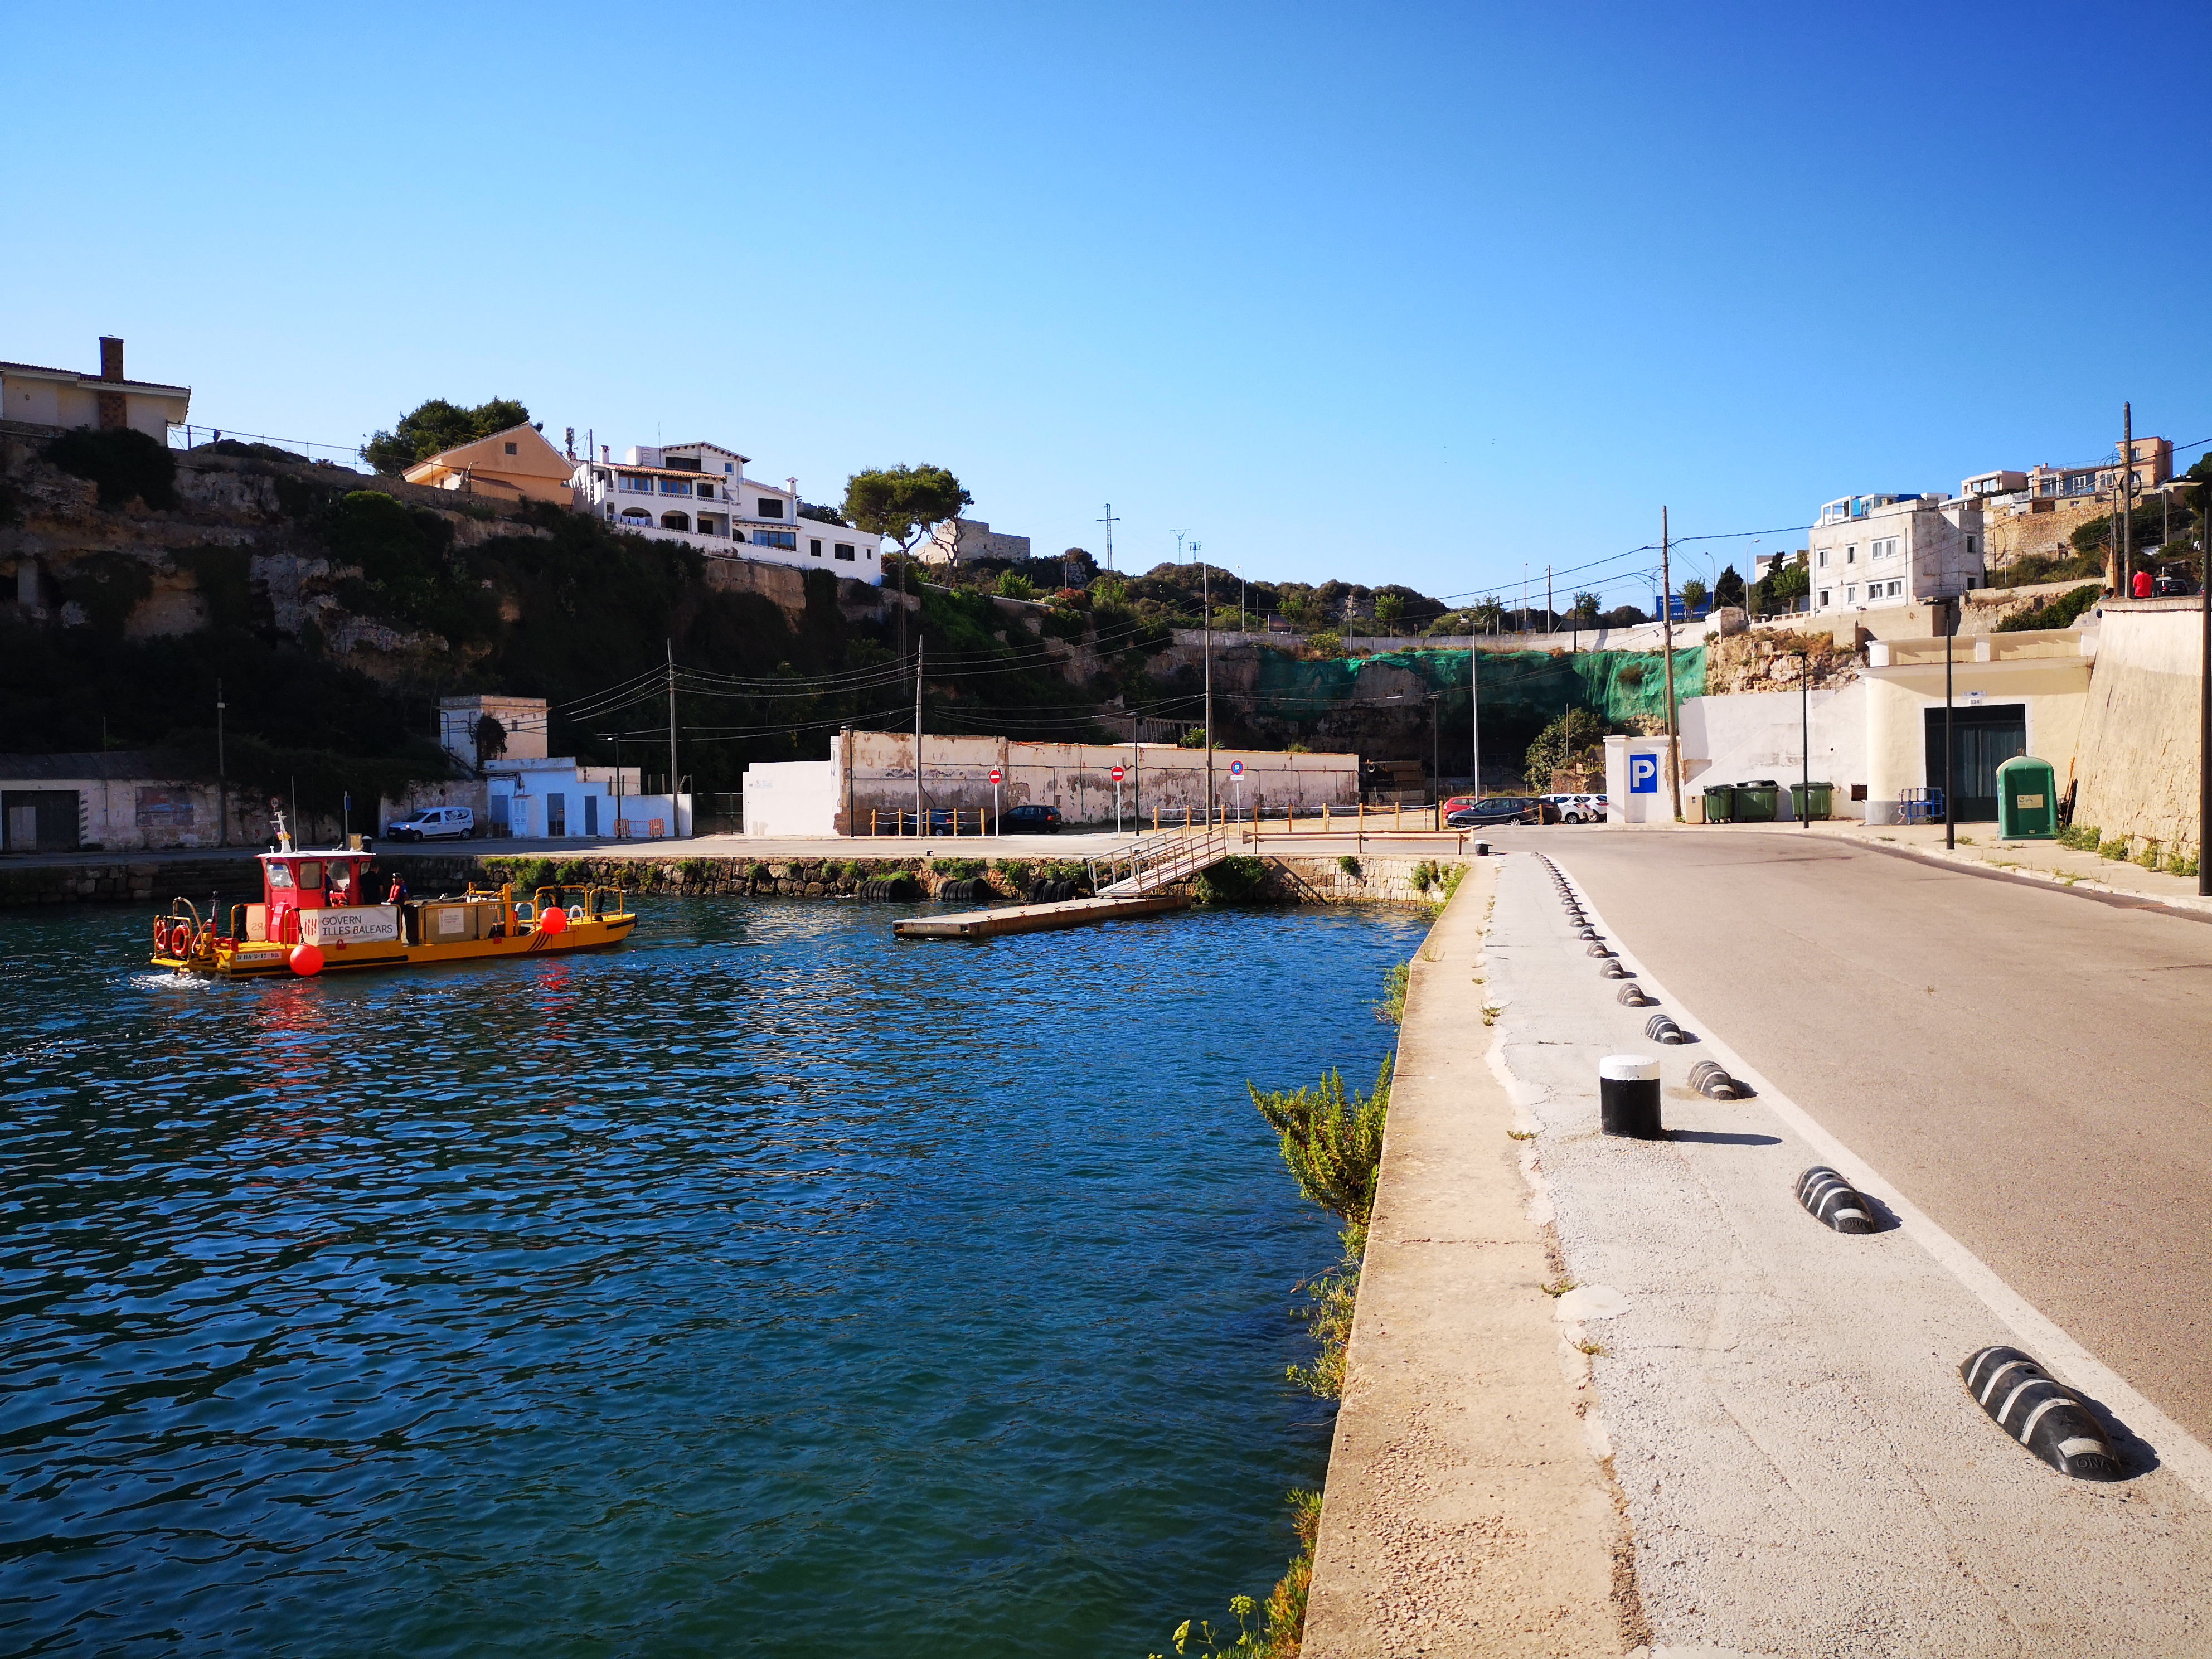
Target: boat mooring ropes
2041, 1413
1709, 1079
1828, 1197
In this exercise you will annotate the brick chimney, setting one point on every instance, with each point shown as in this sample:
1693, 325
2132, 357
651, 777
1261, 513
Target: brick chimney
114, 407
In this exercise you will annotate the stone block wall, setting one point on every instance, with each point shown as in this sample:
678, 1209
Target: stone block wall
2137, 771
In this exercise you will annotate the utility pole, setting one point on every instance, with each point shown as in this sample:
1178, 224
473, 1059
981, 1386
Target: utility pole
1110, 521
1547, 599
1205, 602
1805, 685
1475, 712
672, 825
221, 776
1667, 614
920, 823
2204, 692
1950, 780
2123, 531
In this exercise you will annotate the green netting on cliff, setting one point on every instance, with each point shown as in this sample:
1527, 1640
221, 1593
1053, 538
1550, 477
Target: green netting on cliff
1522, 691
1617, 686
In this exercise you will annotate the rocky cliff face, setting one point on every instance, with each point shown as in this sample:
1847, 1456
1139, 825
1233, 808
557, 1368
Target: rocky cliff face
245, 544
1767, 660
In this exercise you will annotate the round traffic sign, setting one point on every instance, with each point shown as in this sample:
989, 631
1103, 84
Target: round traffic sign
994, 774
1118, 774
1236, 768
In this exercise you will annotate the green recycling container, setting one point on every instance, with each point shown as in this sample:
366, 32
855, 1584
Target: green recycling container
1823, 797
2027, 799
1719, 803
1755, 801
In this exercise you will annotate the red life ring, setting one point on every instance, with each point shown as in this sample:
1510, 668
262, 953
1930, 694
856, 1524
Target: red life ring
160, 931
180, 940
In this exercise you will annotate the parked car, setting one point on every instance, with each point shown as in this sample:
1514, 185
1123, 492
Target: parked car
1464, 814
1032, 819
435, 823
1579, 809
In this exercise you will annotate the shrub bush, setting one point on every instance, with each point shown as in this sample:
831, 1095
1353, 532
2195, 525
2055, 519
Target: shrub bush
2056, 613
1333, 1141
1235, 880
1391, 1010
122, 461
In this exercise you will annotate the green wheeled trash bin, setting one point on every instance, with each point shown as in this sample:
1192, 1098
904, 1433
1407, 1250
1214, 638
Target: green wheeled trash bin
2027, 799
1719, 803
1821, 796
1755, 801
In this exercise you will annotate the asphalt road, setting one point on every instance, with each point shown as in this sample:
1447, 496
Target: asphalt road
2031, 1067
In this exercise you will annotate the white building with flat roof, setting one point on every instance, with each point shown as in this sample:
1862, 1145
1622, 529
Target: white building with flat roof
698, 494
1878, 550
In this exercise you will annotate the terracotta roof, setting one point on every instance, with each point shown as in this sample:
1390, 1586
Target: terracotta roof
92, 380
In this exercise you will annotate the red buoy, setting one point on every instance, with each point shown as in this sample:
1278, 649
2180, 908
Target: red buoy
306, 961
555, 921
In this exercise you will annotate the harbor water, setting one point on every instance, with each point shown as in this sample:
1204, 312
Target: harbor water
764, 1287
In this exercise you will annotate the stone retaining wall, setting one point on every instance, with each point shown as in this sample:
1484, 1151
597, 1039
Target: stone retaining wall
1286, 880
125, 882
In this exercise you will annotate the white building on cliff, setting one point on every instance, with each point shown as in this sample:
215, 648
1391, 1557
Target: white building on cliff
698, 494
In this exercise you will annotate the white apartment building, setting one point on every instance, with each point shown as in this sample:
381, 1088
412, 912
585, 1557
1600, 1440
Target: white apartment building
1871, 550
698, 494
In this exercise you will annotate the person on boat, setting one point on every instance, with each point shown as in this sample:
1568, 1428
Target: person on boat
398, 893
341, 893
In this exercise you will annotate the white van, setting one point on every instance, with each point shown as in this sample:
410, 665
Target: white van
433, 822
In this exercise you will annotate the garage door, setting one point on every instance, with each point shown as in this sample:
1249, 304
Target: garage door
1983, 738
39, 820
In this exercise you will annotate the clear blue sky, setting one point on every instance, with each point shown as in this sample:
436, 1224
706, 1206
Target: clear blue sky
1410, 293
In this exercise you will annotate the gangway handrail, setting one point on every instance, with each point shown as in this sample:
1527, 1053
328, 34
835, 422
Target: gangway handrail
1157, 861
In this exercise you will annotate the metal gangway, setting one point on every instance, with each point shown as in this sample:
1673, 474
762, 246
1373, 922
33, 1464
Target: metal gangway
1157, 861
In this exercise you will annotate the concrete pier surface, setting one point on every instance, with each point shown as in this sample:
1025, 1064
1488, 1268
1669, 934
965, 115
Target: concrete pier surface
1469, 1510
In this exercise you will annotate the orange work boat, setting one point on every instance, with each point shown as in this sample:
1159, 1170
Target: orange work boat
315, 918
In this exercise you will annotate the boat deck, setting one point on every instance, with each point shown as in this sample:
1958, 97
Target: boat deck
1037, 918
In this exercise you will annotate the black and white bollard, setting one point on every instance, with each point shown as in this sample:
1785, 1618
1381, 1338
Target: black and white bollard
2041, 1413
1628, 1096
1830, 1198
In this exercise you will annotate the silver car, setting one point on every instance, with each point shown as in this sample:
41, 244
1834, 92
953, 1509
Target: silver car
1579, 809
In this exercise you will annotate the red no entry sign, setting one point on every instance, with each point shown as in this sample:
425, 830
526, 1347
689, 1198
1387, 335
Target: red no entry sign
1118, 774
994, 774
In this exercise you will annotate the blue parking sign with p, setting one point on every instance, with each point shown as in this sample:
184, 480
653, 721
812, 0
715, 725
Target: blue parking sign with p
1643, 775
